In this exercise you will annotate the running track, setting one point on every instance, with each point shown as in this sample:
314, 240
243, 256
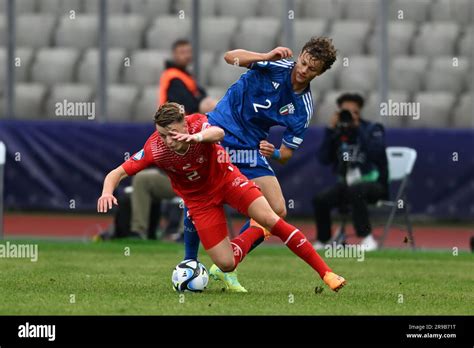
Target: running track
83, 227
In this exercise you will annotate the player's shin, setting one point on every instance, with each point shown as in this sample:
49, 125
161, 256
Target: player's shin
257, 242
297, 243
242, 244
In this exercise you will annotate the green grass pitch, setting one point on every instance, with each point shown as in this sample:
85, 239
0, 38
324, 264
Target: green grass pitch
76, 278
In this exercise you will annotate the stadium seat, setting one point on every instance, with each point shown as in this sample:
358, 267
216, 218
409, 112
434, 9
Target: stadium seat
145, 67
23, 65
75, 93
275, 8
240, 9
120, 102
208, 7
224, 75
126, 31
466, 42
400, 36
464, 112
360, 9
146, 105
34, 30
436, 38
409, 9
372, 109
304, 29
407, 73
21, 6
81, 32
150, 8
401, 161
327, 9
88, 71
435, 109
114, 6
29, 99
258, 34
349, 37
443, 76
166, 30
59, 7
360, 74
55, 65
452, 10
217, 40
216, 92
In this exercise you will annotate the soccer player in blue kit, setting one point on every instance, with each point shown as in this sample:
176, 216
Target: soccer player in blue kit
274, 91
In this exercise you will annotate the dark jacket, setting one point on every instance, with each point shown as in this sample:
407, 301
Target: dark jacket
178, 93
367, 151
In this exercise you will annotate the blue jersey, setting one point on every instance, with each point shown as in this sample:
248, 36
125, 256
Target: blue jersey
263, 97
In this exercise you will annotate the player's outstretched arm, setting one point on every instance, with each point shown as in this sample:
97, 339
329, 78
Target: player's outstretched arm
212, 134
282, 155
111, 182
245, 58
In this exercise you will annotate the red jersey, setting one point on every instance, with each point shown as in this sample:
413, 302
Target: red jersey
194, 175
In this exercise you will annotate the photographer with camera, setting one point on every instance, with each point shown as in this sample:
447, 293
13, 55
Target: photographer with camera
356, 150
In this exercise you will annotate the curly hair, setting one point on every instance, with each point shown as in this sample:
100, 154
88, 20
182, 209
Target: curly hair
322, 49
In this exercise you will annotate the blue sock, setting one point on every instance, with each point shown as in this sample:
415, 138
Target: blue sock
257, 242
244, 227
191, 238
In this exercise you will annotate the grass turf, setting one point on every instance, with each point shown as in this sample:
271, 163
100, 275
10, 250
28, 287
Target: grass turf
105, 281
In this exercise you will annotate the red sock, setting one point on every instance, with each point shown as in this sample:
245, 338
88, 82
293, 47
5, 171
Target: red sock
244, 241
297, 243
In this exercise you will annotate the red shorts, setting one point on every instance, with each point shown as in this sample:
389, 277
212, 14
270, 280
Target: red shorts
208, 214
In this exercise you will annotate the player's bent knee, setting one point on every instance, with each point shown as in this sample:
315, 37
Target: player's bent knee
281, 211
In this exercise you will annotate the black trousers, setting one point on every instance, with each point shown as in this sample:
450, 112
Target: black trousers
355, 198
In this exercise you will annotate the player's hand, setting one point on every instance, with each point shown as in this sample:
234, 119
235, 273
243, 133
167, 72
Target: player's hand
183, 137
266, 148
279, 53
105, 202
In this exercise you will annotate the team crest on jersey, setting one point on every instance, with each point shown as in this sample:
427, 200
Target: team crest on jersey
200, 159
139, 155
288, 109
237, 181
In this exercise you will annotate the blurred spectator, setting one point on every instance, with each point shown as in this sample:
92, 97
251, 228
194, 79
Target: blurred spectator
178, 85
356, 150
140, 209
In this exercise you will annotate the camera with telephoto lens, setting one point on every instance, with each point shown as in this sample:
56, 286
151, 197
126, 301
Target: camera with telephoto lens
345, 126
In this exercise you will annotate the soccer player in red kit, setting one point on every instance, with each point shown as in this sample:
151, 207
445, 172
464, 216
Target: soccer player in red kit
187, 149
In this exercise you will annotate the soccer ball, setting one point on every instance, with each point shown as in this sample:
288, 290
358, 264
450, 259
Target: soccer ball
190, 275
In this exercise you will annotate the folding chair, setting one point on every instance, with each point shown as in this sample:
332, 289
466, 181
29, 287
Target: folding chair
401, 161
